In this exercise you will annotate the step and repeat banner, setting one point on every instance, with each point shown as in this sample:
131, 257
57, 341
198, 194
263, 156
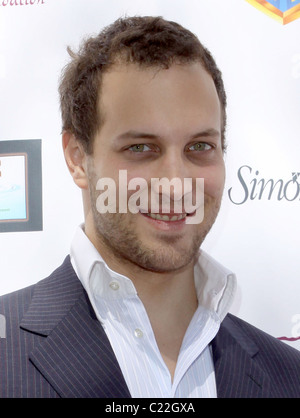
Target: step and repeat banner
257, 234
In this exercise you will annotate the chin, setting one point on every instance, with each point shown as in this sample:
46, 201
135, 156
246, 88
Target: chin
165, 257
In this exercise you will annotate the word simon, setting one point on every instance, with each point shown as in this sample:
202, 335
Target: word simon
255, 188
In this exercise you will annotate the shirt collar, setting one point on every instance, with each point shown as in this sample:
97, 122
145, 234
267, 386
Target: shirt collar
215, 285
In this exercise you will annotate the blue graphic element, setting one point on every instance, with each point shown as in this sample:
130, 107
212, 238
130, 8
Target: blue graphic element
12, 203
284, 5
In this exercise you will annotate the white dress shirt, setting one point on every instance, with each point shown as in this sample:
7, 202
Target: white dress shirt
126, 323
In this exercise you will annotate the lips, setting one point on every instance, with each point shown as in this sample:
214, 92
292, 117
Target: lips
166, 218
174, 223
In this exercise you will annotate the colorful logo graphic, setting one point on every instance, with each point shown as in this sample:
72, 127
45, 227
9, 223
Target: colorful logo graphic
284, 11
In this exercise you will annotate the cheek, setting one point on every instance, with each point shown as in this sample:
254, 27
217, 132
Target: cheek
214, 183
135, 180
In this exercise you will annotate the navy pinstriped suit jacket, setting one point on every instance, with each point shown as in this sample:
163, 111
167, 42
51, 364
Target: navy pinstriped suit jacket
55, 347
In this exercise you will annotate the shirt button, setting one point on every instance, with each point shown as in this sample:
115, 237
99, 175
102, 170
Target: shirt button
114, 286
138, 333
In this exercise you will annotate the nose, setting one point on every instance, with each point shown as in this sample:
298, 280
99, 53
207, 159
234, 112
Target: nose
174, 164
173, 183
172, 170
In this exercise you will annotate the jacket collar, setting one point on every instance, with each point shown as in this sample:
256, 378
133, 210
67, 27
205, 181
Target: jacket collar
77, 359
238, 375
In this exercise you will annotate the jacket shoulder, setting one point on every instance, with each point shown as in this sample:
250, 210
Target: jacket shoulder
279, 360
264, 341
18, 377
13, 306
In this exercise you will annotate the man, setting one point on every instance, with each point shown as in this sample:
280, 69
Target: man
137, 309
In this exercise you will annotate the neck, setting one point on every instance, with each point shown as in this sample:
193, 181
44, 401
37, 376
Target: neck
169, 290
170, 301
169, 298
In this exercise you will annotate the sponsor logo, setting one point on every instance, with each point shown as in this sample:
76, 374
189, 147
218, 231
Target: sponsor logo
284, 11
295, 332
252, 186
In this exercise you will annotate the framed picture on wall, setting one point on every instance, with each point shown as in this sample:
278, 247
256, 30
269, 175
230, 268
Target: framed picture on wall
21, 206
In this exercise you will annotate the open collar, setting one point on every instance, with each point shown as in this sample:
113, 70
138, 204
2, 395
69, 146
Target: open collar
215, 284
77, 360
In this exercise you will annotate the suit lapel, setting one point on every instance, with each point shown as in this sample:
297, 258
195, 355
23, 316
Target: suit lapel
76, 357
237, 373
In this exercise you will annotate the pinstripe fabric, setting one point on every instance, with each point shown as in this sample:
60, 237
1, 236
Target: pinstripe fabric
75, 360
18, 377
55, 347
251, 364
121, 312
83, 366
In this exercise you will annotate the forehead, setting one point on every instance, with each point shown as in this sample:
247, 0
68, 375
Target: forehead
183, 94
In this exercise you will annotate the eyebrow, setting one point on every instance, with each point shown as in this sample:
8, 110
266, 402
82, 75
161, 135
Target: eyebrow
207, 133
136, 135
144, 135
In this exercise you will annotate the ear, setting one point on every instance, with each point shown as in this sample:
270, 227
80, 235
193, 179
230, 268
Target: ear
76, 159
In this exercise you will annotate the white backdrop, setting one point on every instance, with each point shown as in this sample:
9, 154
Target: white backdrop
257, 233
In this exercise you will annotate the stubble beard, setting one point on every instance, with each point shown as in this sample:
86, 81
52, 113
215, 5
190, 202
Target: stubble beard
116, 234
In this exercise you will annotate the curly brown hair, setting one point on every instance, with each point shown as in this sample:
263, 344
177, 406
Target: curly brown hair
146, 41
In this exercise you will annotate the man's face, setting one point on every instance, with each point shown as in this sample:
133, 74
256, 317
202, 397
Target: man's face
156, 123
